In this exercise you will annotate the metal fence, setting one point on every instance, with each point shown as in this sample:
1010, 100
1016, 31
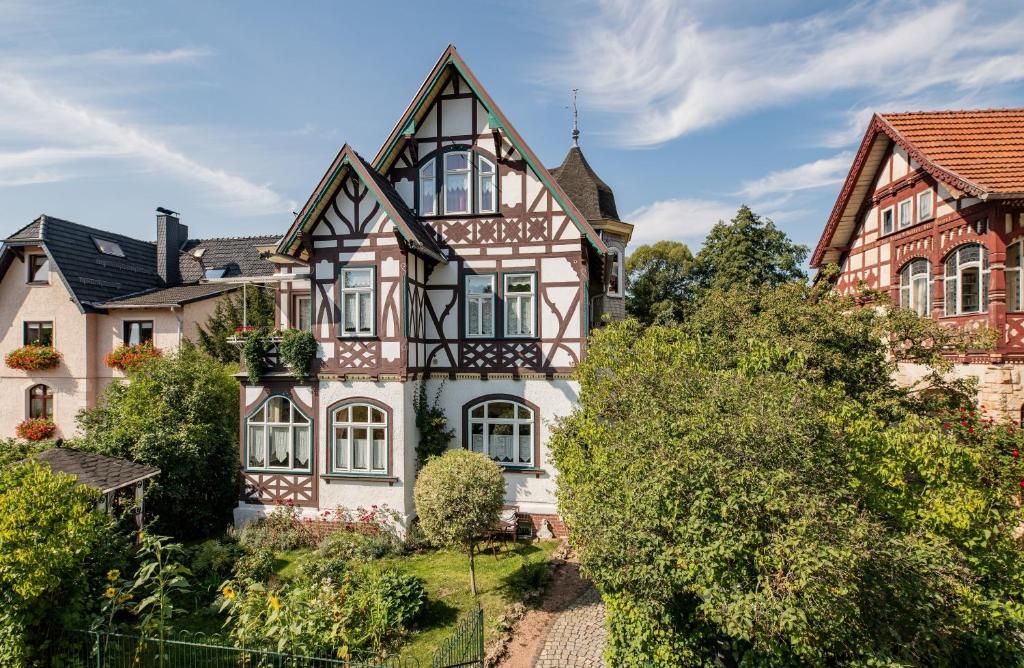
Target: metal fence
87, 649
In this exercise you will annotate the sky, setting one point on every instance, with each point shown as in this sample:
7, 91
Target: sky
230, 112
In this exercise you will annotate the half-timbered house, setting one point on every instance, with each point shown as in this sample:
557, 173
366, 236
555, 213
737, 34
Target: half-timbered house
931, 212
453, 258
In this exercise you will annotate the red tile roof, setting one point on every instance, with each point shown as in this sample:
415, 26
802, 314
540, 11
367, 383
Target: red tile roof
984, 147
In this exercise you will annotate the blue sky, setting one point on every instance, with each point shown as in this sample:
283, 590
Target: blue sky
229, 112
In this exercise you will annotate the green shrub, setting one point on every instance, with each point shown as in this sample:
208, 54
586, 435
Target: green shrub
356, 545
278, 531
257, 565
14, 450
298, 349
179, 413
213, 561
314, 567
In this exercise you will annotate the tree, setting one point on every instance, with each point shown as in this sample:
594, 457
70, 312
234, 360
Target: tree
750, 251
227, 317
734, 486
459, 496
49, 530
657, 281
179, 413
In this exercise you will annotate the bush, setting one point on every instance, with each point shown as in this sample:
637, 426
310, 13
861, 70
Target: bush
35, 429
298, 349
256, 565
127, 358
459, 496
213, 561
49, 533
33, 358
279, 531
12, 450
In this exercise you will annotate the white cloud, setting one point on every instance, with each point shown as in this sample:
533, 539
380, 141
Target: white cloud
816, 174
74, 132
683, 219
123, 57
670, 74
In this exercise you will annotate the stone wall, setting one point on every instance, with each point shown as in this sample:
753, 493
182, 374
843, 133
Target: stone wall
1000, 388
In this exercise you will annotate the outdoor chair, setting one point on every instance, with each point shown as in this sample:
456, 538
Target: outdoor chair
504, 529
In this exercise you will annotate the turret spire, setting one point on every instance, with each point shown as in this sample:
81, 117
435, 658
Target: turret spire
575, 120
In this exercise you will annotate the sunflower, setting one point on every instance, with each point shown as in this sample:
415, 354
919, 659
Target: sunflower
113, 574
274, 603
229, 593
110, 592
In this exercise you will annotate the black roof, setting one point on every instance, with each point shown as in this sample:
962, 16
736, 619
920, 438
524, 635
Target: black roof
97, 471
419, 229
588, 192
178, 295
94, 278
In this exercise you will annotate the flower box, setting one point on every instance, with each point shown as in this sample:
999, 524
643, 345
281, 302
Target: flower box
35, 429
33, 358
127, 358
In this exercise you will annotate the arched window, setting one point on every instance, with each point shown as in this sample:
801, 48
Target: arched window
359, 439
503, 429
457, 182
40, 402
915, 281
615, 282
428, 189
278, 437
966, 280
1014, 286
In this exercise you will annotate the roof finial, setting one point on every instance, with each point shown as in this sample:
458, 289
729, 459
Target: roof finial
575, 120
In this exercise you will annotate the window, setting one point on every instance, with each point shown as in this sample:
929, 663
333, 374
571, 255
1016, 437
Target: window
278, 437
215, 272
924, 205
966, 280
428, 189
906, 213
357, 309
456, 182
360, 439
915, 281
519, 312
503, 430
302, 316
615, 282
1014, 296
480, 306
38, 269
485, 176
40, 402
887, 220
38, 334
108, 247
138, 331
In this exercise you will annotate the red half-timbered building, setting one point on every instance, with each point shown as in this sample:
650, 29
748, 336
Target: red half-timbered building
452, 258
931, 212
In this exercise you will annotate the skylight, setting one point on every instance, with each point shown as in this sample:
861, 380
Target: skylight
108, 247
214, 272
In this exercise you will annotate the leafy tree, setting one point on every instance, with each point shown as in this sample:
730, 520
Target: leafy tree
657, 281
49, 533
227, 317
735, 487
749, 251
179, 413
459, 496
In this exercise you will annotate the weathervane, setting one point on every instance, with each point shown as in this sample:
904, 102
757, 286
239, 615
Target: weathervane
575, 120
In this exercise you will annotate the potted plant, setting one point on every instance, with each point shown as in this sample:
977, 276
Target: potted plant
255, 351
297, 349
127, 358
33, 358
35, 429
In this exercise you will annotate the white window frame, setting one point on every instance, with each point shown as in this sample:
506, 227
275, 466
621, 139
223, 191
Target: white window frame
517, 422
293, 425
468, 171
360, 330
477, 301
349, 425
891, 210
1016, 271
956, 278
480, 178
303, 309
910, 275
515, 299
905, 223
617, 271
929, 197
428, 183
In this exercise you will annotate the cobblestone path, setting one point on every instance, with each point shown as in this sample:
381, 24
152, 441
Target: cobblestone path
576, 639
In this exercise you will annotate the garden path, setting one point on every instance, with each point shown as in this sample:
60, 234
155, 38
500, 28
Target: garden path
577, 638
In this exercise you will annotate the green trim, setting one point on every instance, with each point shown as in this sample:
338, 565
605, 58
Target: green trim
586, 310
405, 301
339, 332
536, 306
245, 440
410, 128
316, 202
495, 305
492, 119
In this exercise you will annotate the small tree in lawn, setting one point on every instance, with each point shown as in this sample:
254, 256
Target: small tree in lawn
459, 496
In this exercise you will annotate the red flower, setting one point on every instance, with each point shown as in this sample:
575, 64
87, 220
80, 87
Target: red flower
33, 358
963, 423
35, 429
1022, 483
945, 425
971, 413
1016, 453
970, 429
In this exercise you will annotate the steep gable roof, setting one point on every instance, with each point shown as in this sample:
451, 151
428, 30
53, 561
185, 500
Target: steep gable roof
347, 160
592, 196
238, 256
450, 61
977, 153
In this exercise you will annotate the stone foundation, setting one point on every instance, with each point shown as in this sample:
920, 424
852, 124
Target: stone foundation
1000, 389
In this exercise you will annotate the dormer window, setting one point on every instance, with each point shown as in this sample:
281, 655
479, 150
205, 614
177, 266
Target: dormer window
456, 182
428, 189
215, 272
486, 176
108, 247
38, 269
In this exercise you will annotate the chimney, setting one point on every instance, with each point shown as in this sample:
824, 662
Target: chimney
171, 235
